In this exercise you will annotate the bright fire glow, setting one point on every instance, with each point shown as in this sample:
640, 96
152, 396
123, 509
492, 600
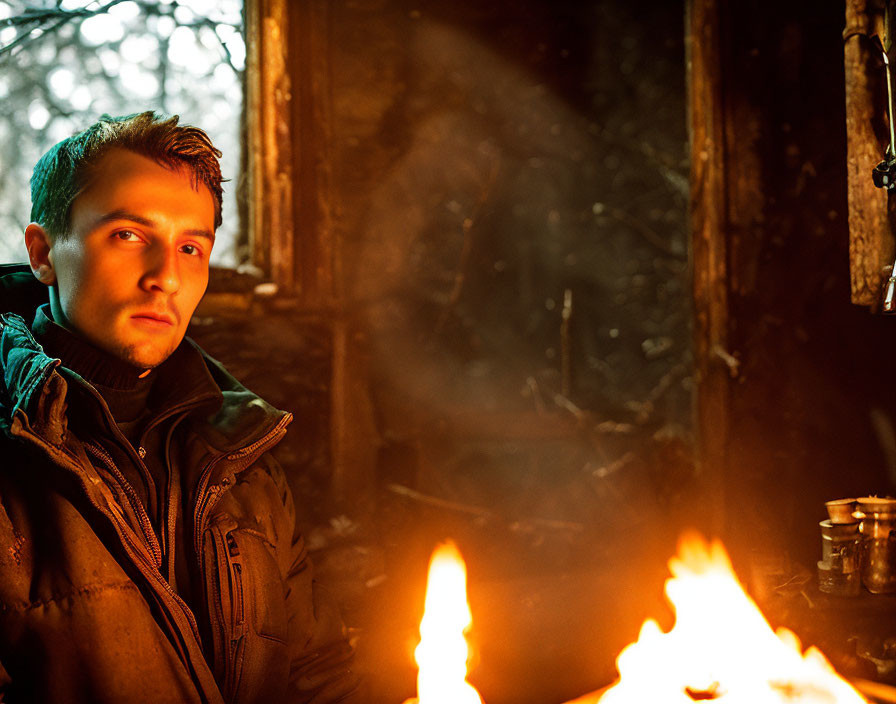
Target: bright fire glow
443, 653
721, 648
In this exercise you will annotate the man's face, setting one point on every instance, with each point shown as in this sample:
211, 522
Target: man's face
135, 263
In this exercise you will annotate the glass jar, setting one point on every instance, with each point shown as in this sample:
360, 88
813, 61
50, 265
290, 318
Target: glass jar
878, 528
839, 571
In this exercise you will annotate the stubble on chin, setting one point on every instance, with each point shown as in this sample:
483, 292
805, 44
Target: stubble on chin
140, 357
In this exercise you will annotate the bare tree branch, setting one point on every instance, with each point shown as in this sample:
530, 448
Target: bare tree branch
55, 18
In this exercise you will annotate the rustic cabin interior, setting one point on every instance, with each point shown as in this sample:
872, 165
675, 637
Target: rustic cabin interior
560, 281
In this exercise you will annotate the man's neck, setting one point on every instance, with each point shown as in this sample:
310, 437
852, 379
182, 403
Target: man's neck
81, 356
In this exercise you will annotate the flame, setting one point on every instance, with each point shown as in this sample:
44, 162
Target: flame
443, 652
721, 647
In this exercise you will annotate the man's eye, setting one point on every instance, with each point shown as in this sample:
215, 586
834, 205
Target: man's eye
190, 249
126, 236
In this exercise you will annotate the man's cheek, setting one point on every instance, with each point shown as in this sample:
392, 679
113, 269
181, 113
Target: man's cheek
72, 286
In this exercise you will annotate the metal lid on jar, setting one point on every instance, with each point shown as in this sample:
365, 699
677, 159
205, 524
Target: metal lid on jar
829, 529
871, 505
841, 510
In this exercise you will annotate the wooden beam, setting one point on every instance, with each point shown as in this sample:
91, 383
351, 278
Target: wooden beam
708, 211
270, 163
315, 254
870, 237
354, 438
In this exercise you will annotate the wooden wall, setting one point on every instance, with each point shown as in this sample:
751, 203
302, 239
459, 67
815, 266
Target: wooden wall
805, 388
398, 112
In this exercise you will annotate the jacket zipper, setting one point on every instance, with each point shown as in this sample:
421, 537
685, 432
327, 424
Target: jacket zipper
139, 453
203, 508
281, 425
148, 532
238, 579
113, 427
233, 551
210, 496
187, 405
145, 524
233, 668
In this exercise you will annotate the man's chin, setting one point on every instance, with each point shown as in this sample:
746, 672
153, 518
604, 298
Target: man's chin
148, 361
142, 350
143, 356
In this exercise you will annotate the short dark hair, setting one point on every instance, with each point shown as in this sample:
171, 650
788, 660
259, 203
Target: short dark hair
66, 169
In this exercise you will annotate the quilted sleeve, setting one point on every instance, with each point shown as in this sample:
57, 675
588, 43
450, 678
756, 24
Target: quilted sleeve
320, 655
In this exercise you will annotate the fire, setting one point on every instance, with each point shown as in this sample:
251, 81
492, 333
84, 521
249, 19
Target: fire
443, 652
721, 647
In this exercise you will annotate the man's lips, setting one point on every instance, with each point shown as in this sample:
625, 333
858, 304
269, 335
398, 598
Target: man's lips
152, 317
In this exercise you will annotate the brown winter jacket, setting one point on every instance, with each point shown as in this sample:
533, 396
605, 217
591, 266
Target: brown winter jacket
86, 615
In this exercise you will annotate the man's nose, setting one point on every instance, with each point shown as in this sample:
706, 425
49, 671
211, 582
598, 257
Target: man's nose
163, 269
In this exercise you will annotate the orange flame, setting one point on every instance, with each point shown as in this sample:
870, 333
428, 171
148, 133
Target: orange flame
443, 652
721, 648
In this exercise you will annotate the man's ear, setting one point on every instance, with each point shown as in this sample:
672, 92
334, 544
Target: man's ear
38, 243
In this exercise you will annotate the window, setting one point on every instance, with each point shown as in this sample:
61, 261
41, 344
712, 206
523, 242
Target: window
65, 62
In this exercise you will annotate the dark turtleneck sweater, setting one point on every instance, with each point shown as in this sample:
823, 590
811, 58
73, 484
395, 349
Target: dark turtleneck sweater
125, 390
136, 401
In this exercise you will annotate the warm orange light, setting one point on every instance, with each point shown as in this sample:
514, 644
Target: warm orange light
721, 648
443, 653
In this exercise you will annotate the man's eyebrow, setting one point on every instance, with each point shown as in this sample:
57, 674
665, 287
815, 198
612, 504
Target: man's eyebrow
202, 234
122, 214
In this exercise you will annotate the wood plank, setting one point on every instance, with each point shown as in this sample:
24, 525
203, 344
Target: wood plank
354, 438
870, 238
709, 246
270, 164
315, 257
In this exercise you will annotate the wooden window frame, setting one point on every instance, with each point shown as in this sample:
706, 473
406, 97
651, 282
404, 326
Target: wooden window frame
288, 138
291, 210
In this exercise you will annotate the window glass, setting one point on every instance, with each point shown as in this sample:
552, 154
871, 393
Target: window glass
63, 63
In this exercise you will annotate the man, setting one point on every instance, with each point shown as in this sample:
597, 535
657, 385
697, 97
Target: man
147, 537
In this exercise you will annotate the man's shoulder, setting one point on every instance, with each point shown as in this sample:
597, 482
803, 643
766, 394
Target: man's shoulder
242, 418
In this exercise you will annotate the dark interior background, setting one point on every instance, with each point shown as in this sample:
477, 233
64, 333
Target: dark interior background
493, 164
489, 158
510, 209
